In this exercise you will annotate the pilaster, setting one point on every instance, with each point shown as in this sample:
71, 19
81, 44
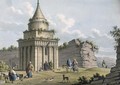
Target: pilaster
24, 62
55, 57
36, 58
43, 56
39, 58
20, 58
28, 52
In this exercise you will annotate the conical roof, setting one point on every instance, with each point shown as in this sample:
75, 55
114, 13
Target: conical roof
38, 13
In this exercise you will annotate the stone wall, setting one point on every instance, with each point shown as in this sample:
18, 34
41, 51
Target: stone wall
10, 57
81, 51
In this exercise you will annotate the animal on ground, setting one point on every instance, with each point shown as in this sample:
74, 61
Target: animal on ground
20, 77
49, 79
65, 78
6, 77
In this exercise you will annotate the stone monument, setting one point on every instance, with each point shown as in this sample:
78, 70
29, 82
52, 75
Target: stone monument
38, 44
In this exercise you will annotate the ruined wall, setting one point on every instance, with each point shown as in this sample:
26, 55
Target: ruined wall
81, 51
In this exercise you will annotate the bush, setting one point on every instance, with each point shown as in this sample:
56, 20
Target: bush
3, 66
82, 80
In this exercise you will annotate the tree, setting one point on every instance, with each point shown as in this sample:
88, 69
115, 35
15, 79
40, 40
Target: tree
12, 47
116, 35
65, 44
4, 49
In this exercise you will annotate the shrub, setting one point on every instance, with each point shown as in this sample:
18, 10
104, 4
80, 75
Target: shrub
3, 66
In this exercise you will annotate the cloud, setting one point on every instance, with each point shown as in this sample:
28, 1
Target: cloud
69, 22
17, 11
51, 22
65, 28
96, 32
29, 8
10, 26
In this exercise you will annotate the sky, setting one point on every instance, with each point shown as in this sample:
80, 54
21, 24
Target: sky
84, 19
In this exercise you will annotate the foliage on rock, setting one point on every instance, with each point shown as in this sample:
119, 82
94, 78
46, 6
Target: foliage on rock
3, 66
115, 33
65, 44
94, 47
80, 43
83, 80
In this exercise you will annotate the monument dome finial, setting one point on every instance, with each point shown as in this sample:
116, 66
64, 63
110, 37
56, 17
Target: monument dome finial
38, 13
37, 1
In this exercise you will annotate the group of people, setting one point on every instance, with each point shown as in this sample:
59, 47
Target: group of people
14, 76
29, 69
73, 64
47, 66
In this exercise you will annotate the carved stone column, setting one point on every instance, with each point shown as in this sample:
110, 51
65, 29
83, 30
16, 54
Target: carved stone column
20, 58
32, 56
24, 62
36, 58
39, 57
50, 55
28, 55
22, 55
43, 56
31, 53
55, 57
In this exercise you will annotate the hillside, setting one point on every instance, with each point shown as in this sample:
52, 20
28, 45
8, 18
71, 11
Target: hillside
110, 62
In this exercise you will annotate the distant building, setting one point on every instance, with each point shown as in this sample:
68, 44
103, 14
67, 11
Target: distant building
38, 44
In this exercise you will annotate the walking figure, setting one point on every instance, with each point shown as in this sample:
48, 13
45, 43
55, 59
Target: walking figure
75, 65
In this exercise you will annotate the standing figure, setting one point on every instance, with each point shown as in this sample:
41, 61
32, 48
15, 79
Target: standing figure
75, 65
46, 66
50, 65
69, 63
29, 70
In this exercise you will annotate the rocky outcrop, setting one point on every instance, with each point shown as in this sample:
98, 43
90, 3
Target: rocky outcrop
83, 52
113, 78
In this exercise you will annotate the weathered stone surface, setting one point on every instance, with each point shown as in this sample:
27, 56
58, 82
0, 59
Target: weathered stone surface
114, 77
97, 82
82, 52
